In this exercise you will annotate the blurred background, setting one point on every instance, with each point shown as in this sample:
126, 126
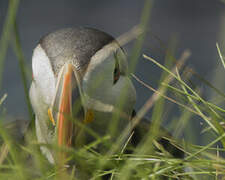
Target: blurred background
188, 24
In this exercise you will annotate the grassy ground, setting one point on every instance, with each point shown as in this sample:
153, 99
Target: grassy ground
25, 161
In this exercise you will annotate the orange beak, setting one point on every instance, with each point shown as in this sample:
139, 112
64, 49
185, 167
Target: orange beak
65, 126
60, 112
61, 109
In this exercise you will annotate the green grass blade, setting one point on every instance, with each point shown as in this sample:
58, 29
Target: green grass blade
220, 55
6, 33
188, 87
143, 26
22, 65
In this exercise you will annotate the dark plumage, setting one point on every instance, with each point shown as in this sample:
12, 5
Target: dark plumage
77, 45
142, 129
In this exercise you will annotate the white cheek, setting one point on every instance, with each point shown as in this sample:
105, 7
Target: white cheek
39, 106
124, 92
98, 81
96, 86
100, 93
41, 117
43, 74
105, 96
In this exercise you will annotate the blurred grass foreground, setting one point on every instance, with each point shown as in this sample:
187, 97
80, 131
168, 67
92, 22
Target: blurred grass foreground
20, 156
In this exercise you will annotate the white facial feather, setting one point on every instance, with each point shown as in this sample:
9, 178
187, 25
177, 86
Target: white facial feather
41, 94
43, 74
99, 90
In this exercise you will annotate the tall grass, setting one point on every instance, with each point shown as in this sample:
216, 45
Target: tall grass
22, 159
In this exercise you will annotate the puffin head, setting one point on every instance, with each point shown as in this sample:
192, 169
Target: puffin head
81, 74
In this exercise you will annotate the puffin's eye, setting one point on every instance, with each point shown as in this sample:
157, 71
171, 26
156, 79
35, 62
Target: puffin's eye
116, 74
